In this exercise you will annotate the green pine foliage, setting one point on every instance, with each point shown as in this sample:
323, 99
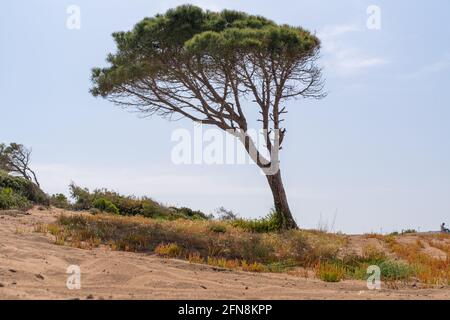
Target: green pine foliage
188, 31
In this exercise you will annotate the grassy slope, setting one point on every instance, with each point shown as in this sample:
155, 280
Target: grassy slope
332, 257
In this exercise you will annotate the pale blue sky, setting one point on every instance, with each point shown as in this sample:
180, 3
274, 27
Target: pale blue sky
374, 154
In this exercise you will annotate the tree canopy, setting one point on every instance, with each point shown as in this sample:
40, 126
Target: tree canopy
200, 64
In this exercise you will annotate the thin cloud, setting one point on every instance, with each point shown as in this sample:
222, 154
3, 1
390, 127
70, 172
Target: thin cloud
350, 61
336, 30
341, 59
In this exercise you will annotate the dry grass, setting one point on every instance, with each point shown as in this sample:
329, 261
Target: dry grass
223, 245
197, 241
330, 272
374, 236
437, 243
195, 258
427, 269
171, 250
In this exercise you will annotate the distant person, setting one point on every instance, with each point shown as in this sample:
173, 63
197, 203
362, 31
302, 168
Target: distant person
444, 229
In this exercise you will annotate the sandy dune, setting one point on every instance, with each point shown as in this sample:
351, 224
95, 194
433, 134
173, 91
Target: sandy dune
33, 267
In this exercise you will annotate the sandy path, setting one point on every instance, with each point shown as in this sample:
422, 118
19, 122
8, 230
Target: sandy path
33, 267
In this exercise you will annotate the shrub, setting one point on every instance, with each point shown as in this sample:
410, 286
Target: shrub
10, 199
393, 270
187, 212
149, 209
59, 201
23, 187
218, 228
129, 205
270, 223
105, 206
82, 196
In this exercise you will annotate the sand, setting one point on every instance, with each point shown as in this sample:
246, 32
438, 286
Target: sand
33, 267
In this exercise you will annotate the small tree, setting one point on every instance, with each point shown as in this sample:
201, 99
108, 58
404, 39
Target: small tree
215, 68
15, 159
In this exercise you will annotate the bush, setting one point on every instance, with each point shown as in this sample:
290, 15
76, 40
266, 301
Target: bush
59, 201
12, 200
24, 188
218, 227
270, 223
187, 212
129, 205
393, 270
105, 206
409, 231
82, 196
